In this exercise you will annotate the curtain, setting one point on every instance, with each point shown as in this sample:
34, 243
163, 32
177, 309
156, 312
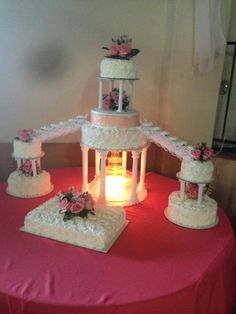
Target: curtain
210, 32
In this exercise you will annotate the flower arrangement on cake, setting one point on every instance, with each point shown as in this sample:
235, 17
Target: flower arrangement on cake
192, 190
202, 152
111, 100
27, 169
25, 135
121, 48
74, 203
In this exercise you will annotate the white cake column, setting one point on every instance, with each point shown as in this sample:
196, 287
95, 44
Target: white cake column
102, 192
18, 163
201, 187
120, 103
34, 167
111, 85
131, 84
182, 189
97, 164
133, 195
100, 96
124, 162
143, 168
85, 150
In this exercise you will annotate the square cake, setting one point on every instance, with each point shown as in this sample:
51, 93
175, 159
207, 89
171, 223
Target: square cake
98, 231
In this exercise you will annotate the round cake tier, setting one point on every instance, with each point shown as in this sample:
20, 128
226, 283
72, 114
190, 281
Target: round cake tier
189, 213
113, 118
118, 69
197, 171
27, 150
112, 138
22, 185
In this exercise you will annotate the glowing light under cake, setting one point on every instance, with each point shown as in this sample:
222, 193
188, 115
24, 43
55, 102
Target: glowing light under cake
116, 187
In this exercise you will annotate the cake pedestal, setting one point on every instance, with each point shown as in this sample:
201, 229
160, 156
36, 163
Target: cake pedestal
197, 211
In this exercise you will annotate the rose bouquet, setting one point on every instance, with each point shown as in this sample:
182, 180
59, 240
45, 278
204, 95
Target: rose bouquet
121, 48
202, 152
26, 168
25, 135
192, 190
111, 100
75, 203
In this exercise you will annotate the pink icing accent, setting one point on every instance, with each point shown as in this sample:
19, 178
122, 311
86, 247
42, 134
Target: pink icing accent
125, 121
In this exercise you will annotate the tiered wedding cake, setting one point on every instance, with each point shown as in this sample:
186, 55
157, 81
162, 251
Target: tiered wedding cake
191, 206
29, 180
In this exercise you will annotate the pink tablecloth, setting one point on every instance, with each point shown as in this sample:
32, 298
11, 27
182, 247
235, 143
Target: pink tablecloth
154, 267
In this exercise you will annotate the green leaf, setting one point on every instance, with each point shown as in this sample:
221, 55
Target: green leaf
105, 48
68, 216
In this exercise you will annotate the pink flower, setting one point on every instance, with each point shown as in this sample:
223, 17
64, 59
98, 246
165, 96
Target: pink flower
27, 166
196, 153
77, 207
89, 202
107, 101
64, 205
25, 135
192, 190
115, 96
113, 50
124, 49
208, 154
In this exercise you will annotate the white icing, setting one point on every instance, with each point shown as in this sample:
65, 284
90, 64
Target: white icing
112, 138
191, 214
197, 171
95, 232
116, 68
27, 150
23, 185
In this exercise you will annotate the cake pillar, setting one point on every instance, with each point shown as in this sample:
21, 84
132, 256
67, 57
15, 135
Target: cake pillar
85, 167
124, 162
201, 187
102, 193
120, 103
111, 85
133, 195
18, 161
34, 168
143, 168
131, 84
97, 164
182, 189
39, 163
100, 97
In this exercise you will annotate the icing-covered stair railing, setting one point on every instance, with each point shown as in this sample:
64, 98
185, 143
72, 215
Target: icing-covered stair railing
174, 146
47, 133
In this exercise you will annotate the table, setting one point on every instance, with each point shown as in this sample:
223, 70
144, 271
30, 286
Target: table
154, 267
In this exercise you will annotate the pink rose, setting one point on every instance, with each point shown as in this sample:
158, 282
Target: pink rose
27, 166
64, 205
77, 207
196, 153
107, 101
208, 154
89, 202
115, 96
113, 50
124, 49
193, 193
25, 135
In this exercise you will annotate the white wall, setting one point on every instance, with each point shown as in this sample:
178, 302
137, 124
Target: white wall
50, 55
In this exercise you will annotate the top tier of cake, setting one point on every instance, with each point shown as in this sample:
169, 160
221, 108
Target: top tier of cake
27, 150
118, 69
